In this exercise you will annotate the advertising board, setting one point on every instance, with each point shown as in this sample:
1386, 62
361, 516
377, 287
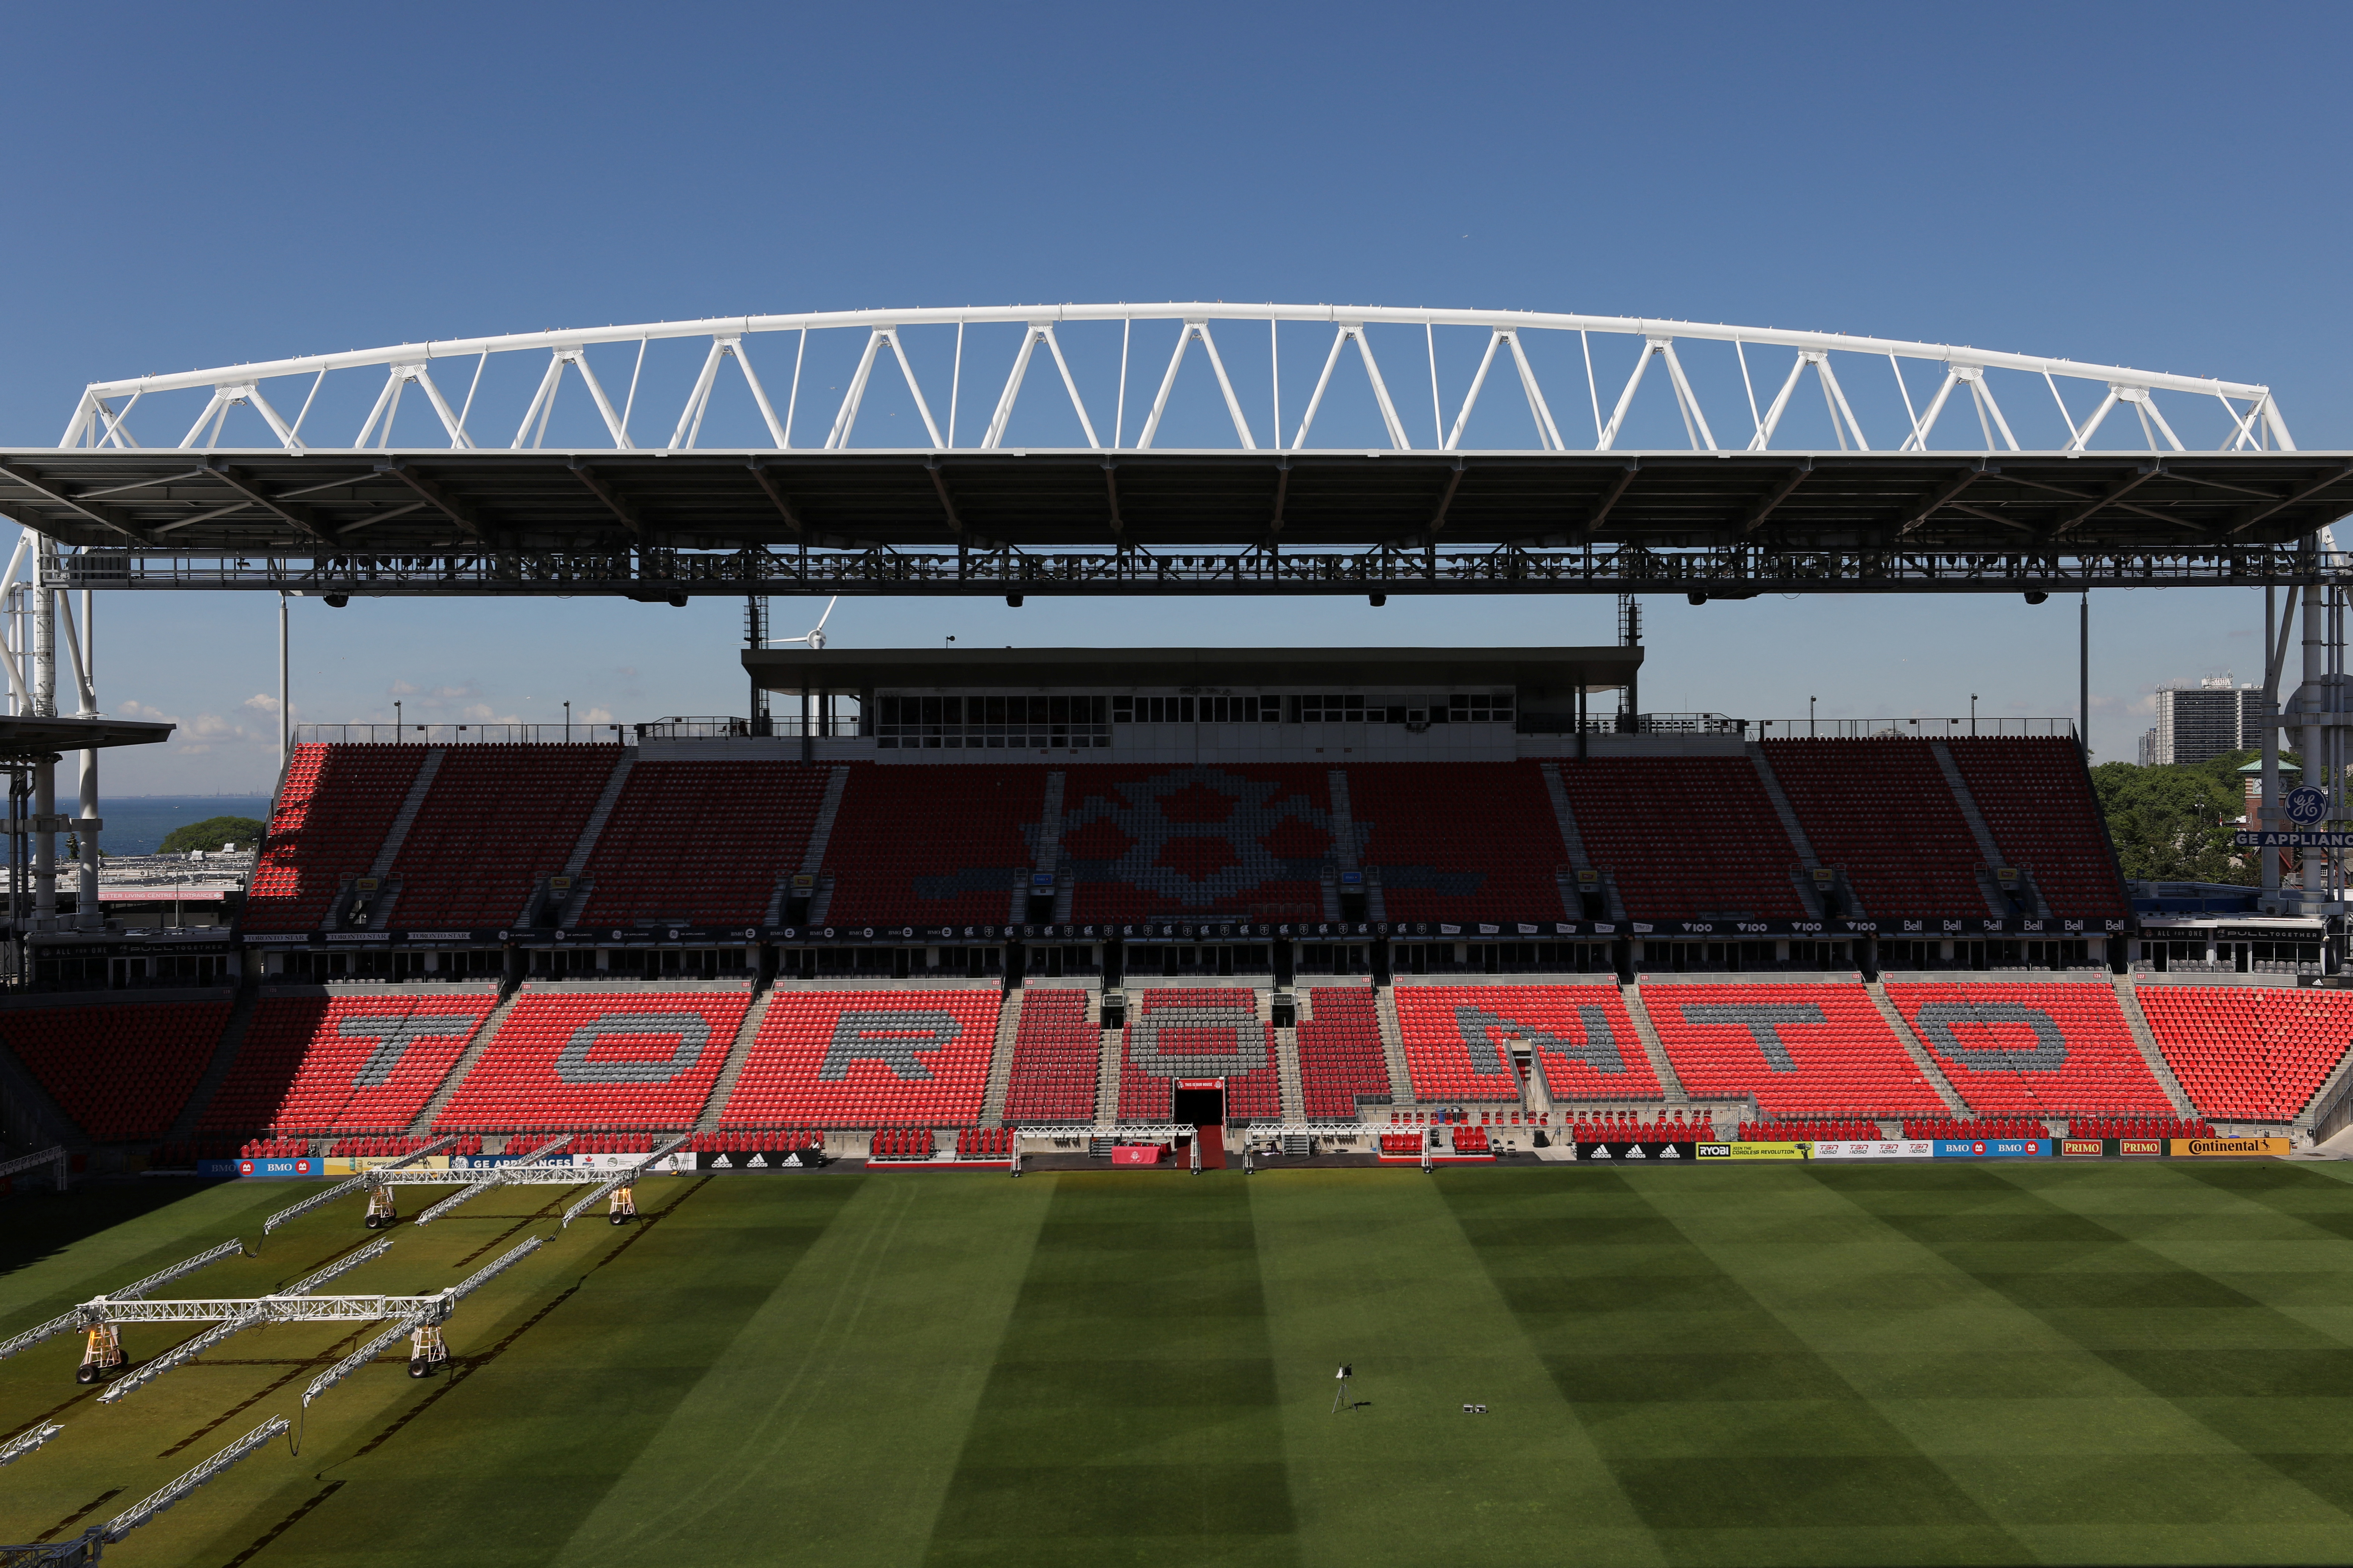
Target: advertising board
2090, 1146
668, 1162
1992, 1148
305, 1166
1677, 1153
2141, 1148
1135, 1153
797, 1160
352, 1164
1874, 1149
2206, 1147
1748, 1151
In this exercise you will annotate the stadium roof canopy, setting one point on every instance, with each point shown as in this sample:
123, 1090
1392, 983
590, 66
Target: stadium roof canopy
1535, 672
379, 503
24, 736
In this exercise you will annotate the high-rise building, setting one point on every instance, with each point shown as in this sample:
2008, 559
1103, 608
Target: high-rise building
2208, 719
2148, 757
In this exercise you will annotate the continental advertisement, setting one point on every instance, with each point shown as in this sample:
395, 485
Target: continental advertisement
1748, 1151
2204, 1147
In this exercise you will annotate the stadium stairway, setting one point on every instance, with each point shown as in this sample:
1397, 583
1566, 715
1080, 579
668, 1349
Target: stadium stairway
1393, 1045
1286, 1067
1107, 1076
1984, 836
1652, 1046
1001, 1061
738, 1054
2137, 1020
1932, 1074
568, 908
380, 907
484, 1033
216, 1070
1807, 894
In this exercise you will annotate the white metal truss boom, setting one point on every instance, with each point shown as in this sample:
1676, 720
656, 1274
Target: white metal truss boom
102, 416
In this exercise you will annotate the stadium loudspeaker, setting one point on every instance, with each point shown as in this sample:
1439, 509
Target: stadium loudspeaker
1378, 599
2036, 596
678, 601
1696, 598
337, 601
1012, 601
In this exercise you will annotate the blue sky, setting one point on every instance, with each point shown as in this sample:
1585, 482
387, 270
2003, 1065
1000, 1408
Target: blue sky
2152, 185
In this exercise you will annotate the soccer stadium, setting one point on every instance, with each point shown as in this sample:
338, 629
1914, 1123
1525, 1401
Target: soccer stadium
1244, 1105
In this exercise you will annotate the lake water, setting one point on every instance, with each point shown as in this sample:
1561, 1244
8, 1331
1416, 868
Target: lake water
136, 824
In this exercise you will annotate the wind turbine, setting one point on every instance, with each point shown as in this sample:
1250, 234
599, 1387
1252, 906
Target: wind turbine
815, 636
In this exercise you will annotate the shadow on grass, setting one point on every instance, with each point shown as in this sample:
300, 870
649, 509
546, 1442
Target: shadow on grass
37, 1224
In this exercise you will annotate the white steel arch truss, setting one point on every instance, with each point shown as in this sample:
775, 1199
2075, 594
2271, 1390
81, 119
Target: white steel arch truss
2254, 422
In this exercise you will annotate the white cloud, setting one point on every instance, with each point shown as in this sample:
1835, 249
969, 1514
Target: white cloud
260, 702
402, 688
598, 716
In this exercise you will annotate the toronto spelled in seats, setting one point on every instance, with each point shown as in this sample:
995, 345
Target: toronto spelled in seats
1882, 810
1196, 839
1057, 1058
1465, 841
2030, 1049
120, 1071
495, 820
867, 1059
932, 845
355, 1064
1340, 1057
1460, 1042
2249, 1053
702, 842
599, 1060
2037, 803
1683, 837
332, 815
1802, 1050
1192, 1032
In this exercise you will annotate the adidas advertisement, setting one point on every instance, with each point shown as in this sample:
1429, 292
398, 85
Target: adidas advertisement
758, 1160
1748, 1151
1876, 1149
1673, 1154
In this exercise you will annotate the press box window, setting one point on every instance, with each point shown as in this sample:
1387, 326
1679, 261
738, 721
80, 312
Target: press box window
1332, 710
1478, 708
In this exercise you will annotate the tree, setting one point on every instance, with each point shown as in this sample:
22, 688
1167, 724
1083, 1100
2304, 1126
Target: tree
211, 833
2174, 824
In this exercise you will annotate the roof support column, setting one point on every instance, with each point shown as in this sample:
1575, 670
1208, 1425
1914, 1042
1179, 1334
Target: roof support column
45, 705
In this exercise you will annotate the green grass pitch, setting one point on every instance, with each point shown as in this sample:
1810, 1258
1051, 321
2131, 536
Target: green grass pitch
1937, 1363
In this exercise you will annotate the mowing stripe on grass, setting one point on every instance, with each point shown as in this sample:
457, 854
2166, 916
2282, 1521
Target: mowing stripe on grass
2134, 1464
1371, 1268
1733, 1438
1130, 1413
824, 1428
510, 1459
